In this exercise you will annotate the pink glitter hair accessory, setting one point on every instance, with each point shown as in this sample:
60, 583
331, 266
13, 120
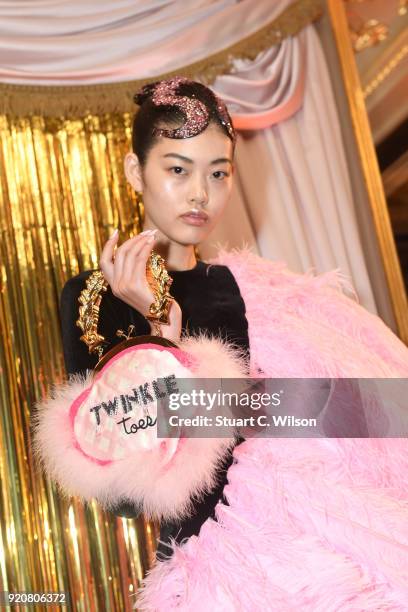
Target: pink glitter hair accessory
165, 93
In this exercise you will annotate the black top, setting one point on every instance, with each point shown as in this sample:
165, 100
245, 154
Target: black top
210, 301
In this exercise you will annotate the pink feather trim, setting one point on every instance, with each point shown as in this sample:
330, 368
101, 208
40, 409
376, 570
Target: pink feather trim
163, 490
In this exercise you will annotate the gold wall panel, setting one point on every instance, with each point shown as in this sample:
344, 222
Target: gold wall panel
62, 192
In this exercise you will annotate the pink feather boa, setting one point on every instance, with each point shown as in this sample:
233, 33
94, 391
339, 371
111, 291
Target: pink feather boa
301, 325
312, 524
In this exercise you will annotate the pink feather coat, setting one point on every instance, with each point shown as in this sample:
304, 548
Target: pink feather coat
312, 523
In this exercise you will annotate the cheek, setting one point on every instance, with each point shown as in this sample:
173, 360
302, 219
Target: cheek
220, 195
169, 188
162, 200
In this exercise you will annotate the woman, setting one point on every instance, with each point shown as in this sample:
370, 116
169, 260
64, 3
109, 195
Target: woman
302, 522
186, 183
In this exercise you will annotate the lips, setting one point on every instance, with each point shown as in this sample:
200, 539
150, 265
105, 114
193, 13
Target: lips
194, 219
195, 215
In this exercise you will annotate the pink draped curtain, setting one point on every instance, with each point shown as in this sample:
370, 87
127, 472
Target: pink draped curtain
293, 199
54, 42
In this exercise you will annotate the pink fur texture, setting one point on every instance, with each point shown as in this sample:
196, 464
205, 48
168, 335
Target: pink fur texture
312, 524
163, 491
302, 325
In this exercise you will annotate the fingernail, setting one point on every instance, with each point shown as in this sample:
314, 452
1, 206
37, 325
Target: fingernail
114, 234
148, 232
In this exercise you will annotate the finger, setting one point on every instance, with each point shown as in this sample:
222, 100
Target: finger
143, 256
124, 249
140, 269
126, 253
106, 258
128, 244
131, 268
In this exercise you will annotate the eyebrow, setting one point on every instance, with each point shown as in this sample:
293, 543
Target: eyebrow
190, 161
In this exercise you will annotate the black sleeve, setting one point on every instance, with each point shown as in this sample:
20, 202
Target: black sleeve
114, 314
76, 355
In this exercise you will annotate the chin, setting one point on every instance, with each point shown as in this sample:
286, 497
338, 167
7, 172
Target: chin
194, 240
193, 234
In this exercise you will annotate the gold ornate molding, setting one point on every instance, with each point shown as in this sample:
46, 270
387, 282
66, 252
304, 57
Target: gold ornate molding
384, 73
369, 164
54, 101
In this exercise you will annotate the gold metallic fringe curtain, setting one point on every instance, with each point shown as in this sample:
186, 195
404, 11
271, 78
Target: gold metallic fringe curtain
62, 192
54, 101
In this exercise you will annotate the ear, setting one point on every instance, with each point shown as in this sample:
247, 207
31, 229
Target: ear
133, 171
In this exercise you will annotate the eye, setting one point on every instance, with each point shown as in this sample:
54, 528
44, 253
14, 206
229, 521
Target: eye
220, 174
177, 169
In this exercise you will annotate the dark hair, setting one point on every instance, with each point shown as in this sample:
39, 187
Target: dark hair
151, 116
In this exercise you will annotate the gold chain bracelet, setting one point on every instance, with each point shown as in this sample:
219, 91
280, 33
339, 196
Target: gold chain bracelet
160, 283
89, 303
91, 296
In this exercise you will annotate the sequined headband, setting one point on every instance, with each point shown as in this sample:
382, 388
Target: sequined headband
165, 93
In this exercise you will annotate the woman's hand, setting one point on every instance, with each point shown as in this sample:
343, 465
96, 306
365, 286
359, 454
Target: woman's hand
173, 330
126, 275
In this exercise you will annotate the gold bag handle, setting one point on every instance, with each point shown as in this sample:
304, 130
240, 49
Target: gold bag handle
91, 296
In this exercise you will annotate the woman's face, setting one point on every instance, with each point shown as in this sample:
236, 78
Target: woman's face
182, 176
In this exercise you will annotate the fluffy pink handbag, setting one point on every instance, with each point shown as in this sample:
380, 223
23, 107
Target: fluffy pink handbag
96, 436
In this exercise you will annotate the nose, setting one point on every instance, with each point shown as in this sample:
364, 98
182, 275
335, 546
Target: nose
199, 201
198, 195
